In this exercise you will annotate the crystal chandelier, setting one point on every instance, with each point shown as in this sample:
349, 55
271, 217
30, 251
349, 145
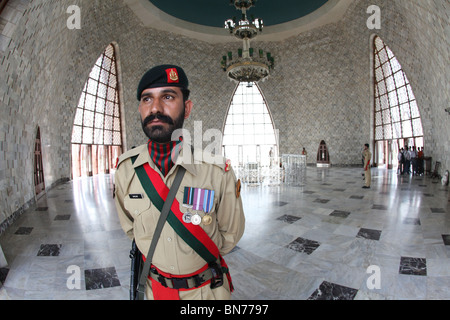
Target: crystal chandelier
249, 65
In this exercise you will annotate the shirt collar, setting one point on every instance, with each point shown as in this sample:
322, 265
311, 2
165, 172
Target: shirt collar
185, 159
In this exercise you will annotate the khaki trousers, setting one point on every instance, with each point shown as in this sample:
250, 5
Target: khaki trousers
368, 177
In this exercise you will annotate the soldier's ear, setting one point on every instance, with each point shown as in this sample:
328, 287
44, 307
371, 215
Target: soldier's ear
188, 105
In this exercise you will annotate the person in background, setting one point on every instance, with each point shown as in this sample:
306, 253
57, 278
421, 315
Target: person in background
414, 160
401, 161
407, 169
420, 159
304, 153
367, 155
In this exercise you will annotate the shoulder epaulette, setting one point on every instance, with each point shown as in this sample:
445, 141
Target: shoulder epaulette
216, 160
131, 153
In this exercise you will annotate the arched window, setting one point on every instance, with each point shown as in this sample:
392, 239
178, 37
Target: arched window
249, 133
397, 117
96, 136
39, 182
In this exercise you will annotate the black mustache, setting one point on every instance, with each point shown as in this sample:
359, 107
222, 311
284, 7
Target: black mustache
159, 117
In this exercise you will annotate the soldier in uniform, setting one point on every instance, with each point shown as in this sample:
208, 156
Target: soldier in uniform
207, 211
367, 156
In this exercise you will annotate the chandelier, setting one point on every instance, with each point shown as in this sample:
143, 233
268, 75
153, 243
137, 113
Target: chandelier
249, 65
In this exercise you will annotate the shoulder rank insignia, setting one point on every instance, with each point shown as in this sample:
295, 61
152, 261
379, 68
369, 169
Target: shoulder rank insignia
228, 165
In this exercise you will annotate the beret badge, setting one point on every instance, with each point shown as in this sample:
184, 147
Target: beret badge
172, 76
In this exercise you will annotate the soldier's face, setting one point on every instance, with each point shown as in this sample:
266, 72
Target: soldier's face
163, 111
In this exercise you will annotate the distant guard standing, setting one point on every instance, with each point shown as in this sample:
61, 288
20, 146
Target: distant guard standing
367, 156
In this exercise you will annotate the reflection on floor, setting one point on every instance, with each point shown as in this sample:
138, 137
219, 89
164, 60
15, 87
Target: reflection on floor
326, 238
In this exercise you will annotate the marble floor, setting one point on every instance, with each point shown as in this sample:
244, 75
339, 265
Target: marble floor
323, 238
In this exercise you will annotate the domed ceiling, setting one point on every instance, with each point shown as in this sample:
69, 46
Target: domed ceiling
205, 19
213, 13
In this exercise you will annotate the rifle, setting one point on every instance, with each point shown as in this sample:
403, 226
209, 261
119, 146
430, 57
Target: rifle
136, 269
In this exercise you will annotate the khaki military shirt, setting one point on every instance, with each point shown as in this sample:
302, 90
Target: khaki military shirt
139, 217
367, 157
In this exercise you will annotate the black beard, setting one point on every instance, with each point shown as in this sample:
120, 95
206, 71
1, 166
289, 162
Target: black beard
157, 133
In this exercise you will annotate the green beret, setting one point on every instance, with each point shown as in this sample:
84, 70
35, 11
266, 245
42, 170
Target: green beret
163, 76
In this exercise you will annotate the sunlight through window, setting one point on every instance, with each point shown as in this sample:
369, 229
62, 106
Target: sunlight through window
249, 133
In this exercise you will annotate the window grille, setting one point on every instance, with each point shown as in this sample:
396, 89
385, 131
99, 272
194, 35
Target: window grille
97, 120
397, 114
249, 133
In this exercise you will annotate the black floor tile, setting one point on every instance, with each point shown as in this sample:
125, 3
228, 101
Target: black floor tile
339, 213
369, 234
303, 245
101, 278
49, 250
3, 274
279, 203
24, 231
379, 207
288, 218
332, 291
62, 217
413, 266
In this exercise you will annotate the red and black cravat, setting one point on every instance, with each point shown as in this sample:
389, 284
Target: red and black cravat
162, 154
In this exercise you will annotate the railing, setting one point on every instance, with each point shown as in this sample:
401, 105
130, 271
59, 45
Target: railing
288, 169
295, 168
